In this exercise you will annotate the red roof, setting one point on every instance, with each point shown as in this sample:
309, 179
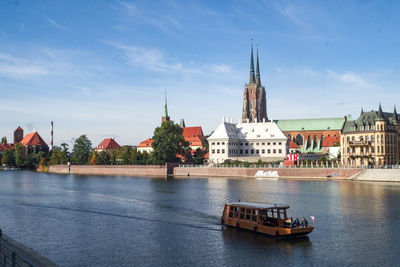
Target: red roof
330, 141
192, 131
33, 139
194, 140
108, 143
293, 145
6, 147
146, 143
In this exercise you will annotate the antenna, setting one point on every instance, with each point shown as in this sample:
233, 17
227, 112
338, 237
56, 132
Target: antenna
51, 142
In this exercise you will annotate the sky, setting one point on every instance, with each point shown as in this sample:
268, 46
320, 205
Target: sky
101, 68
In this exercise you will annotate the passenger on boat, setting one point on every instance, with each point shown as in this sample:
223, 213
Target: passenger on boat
296, 222
288, 222
304, 222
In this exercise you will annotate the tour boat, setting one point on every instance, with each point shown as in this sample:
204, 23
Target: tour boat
264, 218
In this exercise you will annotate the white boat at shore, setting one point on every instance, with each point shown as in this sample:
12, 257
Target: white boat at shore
266, 175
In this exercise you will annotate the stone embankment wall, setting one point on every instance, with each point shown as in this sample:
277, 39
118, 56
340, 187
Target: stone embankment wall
302, 173
383, 175
128, 170
13, 253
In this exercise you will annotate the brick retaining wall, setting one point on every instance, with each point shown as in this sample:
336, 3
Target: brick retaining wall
129, 170
250, 172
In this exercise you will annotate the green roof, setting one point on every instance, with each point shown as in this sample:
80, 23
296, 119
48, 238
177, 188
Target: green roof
368, 119
310, 124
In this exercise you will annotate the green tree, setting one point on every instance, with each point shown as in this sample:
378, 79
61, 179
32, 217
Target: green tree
8, 158
81, 150
125, 155
168, 142
60, 155
19, 155
103, 158
32, 160
4, 140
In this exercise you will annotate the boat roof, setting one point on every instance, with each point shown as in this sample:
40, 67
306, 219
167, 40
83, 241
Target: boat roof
258, 205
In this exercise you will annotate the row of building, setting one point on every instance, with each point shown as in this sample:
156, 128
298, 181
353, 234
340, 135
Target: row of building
371, 139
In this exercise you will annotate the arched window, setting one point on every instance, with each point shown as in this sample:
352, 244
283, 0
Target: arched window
299, 139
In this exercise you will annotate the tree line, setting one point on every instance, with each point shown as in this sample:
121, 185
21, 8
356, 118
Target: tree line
169, 145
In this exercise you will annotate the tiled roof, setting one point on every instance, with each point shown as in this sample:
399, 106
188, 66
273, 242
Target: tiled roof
192, 131
330, 141
146, 143
293, 145
108, 143
6, 147
310, 124
194, 141
33, 139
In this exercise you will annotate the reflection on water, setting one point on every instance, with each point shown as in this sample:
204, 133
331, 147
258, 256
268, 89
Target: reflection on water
123, 221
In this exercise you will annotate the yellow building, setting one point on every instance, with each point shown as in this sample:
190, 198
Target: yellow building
371, 140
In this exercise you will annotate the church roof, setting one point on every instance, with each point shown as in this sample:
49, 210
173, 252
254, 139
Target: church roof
108, 143
192, 131
33, 139
310, 124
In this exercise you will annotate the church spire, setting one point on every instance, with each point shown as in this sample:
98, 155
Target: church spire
258, 80
165, 105
362, 111
252, 78
165, 117
394, 114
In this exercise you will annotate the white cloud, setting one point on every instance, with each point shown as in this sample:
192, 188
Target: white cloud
55, 24
220, 68
351, 78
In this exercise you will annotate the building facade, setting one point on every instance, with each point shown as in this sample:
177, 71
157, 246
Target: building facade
254, 97
108, 144
314, 136
372, 139
250, 141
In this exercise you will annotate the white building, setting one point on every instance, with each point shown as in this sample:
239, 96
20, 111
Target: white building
247, 142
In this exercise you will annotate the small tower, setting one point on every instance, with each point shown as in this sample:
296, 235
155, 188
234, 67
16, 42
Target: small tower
51, 133
18, 135
395, 117
165, 117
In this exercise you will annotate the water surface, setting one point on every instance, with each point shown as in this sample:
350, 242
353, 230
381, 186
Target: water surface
124, 221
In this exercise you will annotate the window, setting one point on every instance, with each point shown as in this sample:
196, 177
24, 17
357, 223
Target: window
280, 143
255, 213
241, 144
269, 151
247, 151
274, 143
213, 151
258, 144
378, 149
353, 139
252, 144
269, 144
252, 151
217, 151
241, 151
373, 149
362, 149
223, 151
367, 138
217, 143
263, 144
257, 151
247, 144
373, 138
223, 143
280, 151
274, 151
348, 138
263, 151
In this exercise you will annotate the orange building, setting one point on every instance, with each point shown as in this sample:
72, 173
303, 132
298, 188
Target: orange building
34, 143
107, 145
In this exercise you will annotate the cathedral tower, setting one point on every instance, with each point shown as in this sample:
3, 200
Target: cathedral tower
254, 99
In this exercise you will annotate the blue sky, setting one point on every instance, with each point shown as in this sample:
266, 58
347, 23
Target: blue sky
101, 67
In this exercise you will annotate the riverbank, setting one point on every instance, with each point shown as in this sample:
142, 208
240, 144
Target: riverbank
356, 174
13, 253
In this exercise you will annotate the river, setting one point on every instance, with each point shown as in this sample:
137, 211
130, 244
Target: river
123, 221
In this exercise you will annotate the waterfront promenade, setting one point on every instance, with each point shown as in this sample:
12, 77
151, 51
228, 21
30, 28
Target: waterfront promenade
187, 171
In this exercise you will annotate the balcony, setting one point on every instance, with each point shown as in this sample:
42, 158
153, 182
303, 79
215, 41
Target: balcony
359, 143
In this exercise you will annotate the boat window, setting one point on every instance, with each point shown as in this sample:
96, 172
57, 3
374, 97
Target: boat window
275, 211
282, 213
248, 214
236, 213
230, 208
241, 216
241, 209
270, 214
255, 212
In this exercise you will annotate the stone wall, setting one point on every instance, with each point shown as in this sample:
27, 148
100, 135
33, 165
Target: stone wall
128, 170
383, 175
282, 172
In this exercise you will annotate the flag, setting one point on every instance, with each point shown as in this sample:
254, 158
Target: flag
312, 218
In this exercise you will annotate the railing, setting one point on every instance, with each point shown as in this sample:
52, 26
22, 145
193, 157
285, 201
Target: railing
305, 166
8, 257
359, 143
